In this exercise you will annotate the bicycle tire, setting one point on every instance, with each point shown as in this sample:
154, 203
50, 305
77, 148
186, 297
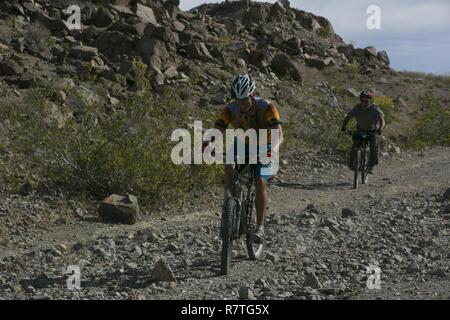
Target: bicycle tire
357, 162
364, 172
228, 214
258, 252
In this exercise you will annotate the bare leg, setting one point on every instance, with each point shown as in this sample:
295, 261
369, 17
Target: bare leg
261, 197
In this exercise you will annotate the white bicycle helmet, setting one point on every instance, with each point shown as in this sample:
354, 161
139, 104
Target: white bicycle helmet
243, 86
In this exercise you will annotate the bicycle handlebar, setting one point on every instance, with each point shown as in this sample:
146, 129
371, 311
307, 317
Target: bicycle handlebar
351, 132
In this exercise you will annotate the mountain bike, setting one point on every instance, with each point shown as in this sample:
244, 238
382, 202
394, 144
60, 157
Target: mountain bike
238, 216
360, 156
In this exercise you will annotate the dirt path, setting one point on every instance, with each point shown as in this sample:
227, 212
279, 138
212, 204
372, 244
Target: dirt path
313, 251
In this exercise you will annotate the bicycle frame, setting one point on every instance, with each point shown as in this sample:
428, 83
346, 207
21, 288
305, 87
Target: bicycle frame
361, 145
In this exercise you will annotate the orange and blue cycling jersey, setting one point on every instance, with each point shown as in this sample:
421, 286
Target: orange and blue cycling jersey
263, 115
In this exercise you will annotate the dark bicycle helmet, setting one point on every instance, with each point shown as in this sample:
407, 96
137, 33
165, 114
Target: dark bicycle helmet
366, 94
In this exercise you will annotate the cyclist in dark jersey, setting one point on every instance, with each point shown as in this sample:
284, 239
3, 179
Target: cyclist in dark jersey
369, 119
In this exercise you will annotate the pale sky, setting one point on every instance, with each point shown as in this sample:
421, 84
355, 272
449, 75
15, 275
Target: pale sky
415, 33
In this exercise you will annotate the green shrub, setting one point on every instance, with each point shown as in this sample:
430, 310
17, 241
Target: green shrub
10, 21
386, 105
352, 68
94, 153
224, 41
433, 125
323, 32
443, 82
316, 126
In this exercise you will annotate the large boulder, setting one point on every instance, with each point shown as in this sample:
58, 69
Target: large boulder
122, 209
172, 8
10, 67
347, 51
198, 50
277, 39
56, 115
370, 52
446, 196
277, 12
163, 272
144, 13
359, 55
284, 65
114, 43
82, 96
52, 24
257, 13
260, 59
84, 53
136, 29
313, 48
153, 52
165, 34
286, 92
178, 26
294, 46
311, 280
198, 24
233, 26
236, 10
286, 3
347, 212
326, 25
383, 57
307, 20
171, 72
319, 63
31, 7
315, 26
445, 209
103, 18
156, 76
27, 80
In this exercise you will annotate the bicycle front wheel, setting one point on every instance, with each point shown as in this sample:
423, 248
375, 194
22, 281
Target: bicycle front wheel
229, 212
364, 172
357, 168
255, 250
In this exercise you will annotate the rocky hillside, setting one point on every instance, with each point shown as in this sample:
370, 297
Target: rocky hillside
195, 54
209, 44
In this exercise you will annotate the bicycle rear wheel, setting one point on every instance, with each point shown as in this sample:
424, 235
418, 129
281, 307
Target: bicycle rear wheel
229, 212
